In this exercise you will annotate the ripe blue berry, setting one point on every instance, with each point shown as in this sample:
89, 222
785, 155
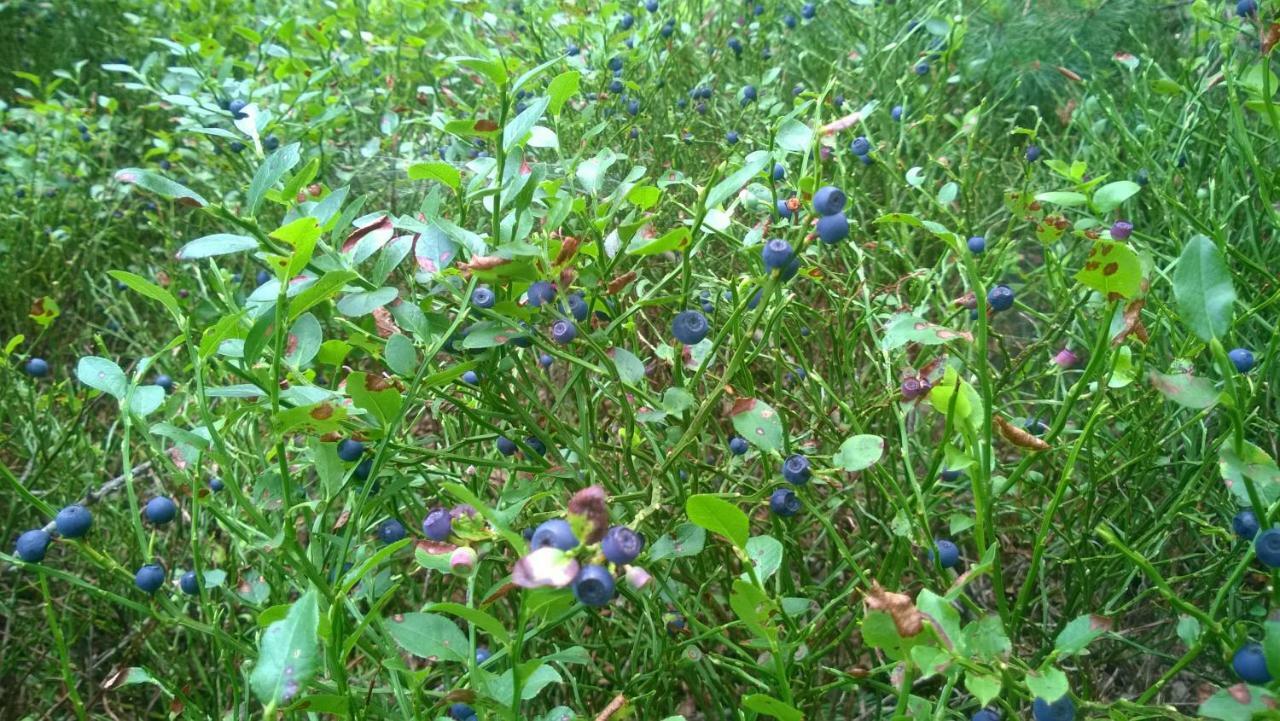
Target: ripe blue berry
615, 63
1267, 545
776, 253
1000, 298
735, 45
216, 484
563, 331
1121, 230
748, 93
482, 297
37, 368
578, 307
860, 145
160, 510
977, 244
838, 101
829, 200
1242, 359
808, 11
627, 21
506, 446
1064, 709
391, 530
946, 553
633, 108
1250, 664
731, 138
1245, 524
922, 68
261, 277
779, 172
738, 445
149, 578
621, 545
536, 445
471, 378
690, 327
784, 208
73, 521
1033, 153
545, 360
32, 545
667, 28
482, 654
896, 113
438, 524
783, 502
913, 388
572, 50
542, 291
796, 469
164, 382
950, 474
555, 533
462, 712
364, 468
350, 449
236, 106
986, 714
789, 20
1247, 8
189, 583
1035, 426
593, 586
833, 228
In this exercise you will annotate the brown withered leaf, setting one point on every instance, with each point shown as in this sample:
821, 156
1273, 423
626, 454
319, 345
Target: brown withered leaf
567, 250
1132, 323
590, 503
906, 617
1018, 436
1271, 39
617, 284
385, 324
483, 262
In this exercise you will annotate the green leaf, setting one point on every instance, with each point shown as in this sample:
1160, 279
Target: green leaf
561, 88
1112, 269
1271, 644
1185, 389
718, 516
1048, 683
145, 400
753, 608
428, 635
402, 357
514, 134
674, 239
355, 305
491, 69
766, 553
904, 328
726, 188
983, 687
986, 639
930, 660
1202, 286
1188, 629
375, 396
102, 374
630, 369
287, 653
160, 185
794, 136
944, 618
270, 173
770, 706
688, 541
644, 196
319, 291
1253, 463
1079, 633
491, 333
1063, 198
859, 452
214, 245
442, 172
757, 422
1110, 196
478, 618
1238, 703
146, 288
591, 172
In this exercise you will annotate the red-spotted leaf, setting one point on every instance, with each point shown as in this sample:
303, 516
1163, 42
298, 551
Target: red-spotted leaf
757, 422
1112, 269
1185, 389
905, 328
1078, 634
1237, 703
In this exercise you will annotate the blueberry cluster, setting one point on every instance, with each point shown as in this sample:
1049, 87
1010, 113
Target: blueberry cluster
829, 203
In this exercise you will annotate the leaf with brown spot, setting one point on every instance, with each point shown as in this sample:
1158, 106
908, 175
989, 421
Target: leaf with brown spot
1132, 323
906, 618
620, 282
1018, 436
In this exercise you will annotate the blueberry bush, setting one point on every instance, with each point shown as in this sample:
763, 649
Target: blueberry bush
851, 359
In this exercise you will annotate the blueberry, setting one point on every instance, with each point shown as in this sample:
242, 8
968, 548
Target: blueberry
578, 307
651, 6
572, 50
235, 107
1121, 230
779, 172
270, 143
563, 331
896, 113
627, 21
731, 138
701, 108
789, 20
708, 308
149, 578
755, 299
506, 446
73, 521
1247, 8
833, 228
808, 11
795, 91
635, 133
776, 253
536, 445
796, 469
1250, 664
829, 200
1064, 709
913, 388
1035, 427
946, 553
922, 68
690, 327
471, 378
545, 360
621, 545
667, 28
160, 510
482, 297
1245, 524
1267, 546
633, 108
236, 146
1000, 298
462, 712
189, 583
262, 277
758, 10
32, 545
555, 533
748, 93
164, 382
986, 714
1033, 153
593, 586
542, 291
838, 101
364, 468
1242, 359
784, 502
37, 368
216, 484
738, 445
438, 524
482, 654
735, 45
951, 474
681, 103
391, 530
1142, 177
784, 209
860, 145
350, 449
616, 87
977, 244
